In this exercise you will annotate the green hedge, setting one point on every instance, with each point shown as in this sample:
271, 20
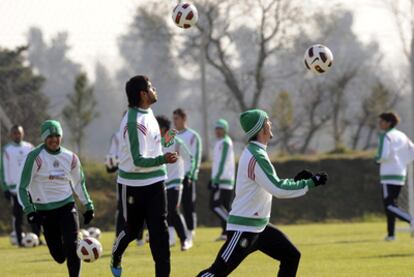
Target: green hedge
353, 191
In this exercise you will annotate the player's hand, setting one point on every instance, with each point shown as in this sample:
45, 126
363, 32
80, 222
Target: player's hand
7, 195
320, 178
88, 216
303, 175
171, 157
34, 217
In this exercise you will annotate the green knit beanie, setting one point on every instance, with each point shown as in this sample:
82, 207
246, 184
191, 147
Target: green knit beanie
222, 123
50, 127
252, 121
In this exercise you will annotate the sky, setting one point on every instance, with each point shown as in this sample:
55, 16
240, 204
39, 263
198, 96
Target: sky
95, 25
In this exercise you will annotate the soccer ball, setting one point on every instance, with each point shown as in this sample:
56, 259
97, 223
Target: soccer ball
89, 250
84, 233
185, 15
318, 58
30, 240
94, 232
13, 238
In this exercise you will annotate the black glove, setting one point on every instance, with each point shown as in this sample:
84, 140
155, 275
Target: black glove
320, 178
34, 217
303, 175
88, 216
7, 195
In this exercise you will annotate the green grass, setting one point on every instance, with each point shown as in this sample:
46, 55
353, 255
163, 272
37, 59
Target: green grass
331, 250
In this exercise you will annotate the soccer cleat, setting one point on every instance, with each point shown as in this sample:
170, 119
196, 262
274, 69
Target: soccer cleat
140, 242
412, 228
187, 244
389, 238
222, 237
116, 270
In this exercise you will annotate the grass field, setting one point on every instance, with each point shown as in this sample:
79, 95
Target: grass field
331, 250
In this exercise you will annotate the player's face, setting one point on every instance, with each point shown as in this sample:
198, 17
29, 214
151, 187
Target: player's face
179, 122
53, 142
17, 134
268, 129
220, 132
152, 94
383, 125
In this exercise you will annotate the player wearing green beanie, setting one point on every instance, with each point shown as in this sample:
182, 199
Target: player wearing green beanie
248, 227
50, 176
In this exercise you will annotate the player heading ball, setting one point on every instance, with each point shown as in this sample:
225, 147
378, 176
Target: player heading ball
248, 227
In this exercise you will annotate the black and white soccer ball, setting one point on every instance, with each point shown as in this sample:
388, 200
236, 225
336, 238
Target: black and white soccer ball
318, 59
89, 250
185, 15
30, 240
94, 232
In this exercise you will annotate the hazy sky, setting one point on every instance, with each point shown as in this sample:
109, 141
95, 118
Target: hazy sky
94, 25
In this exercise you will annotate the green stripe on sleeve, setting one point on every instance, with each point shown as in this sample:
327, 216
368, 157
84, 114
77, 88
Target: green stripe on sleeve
380, 146
269, 170
187, 154
4, 185
89, 204
26, 179
223, 157
197, 156
138, 159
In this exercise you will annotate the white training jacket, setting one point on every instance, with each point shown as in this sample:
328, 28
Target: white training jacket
51, 179
175, 171
256, 184
223, 168
395, 151
13, 157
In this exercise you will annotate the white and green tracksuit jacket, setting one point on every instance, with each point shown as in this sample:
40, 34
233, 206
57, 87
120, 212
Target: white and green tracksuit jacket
141, 161
193, 142
256, 183
175, 171
51, 179
223, 169
395, 151
13, 158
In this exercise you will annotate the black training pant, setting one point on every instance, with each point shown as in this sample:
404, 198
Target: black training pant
189, 203
390, 198
175, 218
239, 245
18, 220
145, 204
220, 204
60, 228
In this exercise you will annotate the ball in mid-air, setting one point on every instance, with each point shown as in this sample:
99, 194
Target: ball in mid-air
185, 15
318, 59
30, 240
89, 250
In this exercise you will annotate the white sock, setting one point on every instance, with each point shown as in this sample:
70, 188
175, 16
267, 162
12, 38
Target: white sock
171, 232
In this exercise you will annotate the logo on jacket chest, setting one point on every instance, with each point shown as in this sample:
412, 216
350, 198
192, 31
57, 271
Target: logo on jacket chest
56, 164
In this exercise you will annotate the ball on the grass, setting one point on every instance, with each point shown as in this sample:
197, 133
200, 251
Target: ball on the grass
94, 232
89, 250
318, 59
185, 15
30, 240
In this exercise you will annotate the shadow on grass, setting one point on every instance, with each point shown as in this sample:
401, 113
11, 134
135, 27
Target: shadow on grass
340, 242
397, 255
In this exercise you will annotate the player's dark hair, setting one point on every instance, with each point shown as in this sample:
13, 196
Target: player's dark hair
133, 88
390, 117
164, 122
180, 112
16, 127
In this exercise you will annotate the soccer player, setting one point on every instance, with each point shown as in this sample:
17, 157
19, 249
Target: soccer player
50, 175
248, 227
395, 151
141, 173
222, 175
193, 141
174, 185
14, 154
